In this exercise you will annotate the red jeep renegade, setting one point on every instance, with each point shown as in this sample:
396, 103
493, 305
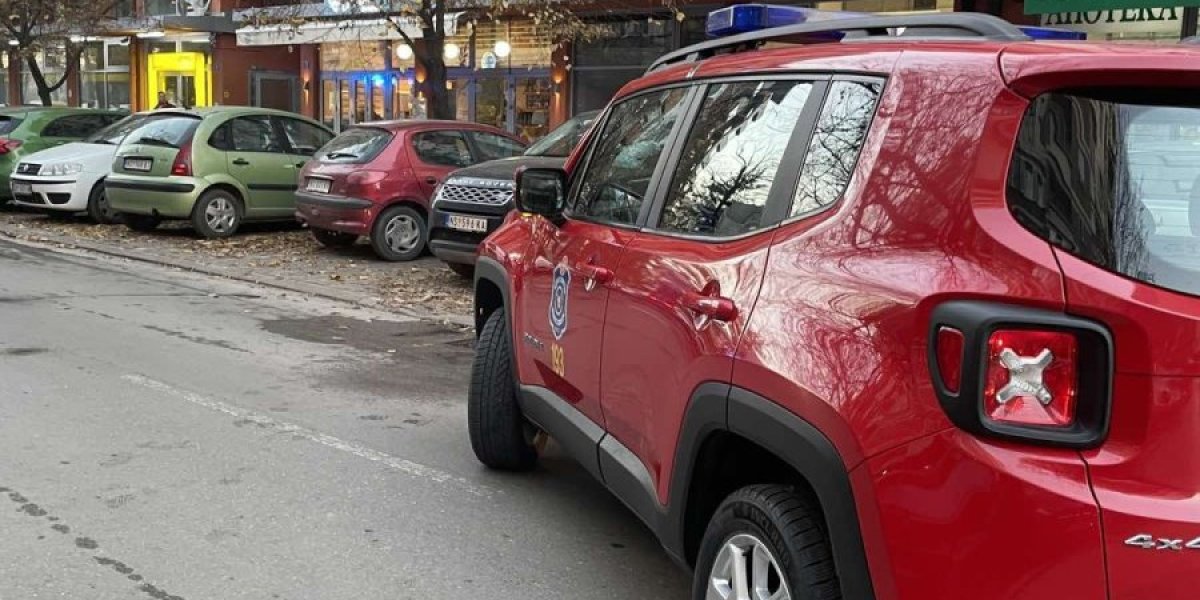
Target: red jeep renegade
896, 307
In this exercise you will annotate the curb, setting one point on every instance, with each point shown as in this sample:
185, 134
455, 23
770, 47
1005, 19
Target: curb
280, 283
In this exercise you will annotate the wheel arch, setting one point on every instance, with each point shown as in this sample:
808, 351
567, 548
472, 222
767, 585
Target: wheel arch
724, 417
421, 207
491, 291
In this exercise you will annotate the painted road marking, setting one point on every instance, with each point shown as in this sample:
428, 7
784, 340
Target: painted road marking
407, 467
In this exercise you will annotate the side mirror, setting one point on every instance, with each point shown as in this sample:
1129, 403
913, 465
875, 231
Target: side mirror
541, 192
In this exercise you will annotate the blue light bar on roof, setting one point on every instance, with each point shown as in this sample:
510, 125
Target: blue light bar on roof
742, 18
1049, 33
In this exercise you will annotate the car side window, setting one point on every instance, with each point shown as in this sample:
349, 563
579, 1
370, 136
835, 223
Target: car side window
302, 137
615, 181
731, 157
445, 148
73, 126
839, 135
253, 134
492, 146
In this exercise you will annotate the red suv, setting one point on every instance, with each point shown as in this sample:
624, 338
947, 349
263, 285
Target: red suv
898, 307
377, 180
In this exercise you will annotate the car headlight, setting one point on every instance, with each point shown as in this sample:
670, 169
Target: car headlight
59, 169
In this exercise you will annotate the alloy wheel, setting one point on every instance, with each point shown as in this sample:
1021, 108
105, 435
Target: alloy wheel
745, 569
220, 214
402, 233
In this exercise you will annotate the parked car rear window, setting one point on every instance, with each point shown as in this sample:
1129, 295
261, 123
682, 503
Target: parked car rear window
76, 126
113, 134
9, 124
1113, 177
355, 145
165, 131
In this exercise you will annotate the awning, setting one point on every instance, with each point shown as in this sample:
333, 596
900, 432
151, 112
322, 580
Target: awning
359, 29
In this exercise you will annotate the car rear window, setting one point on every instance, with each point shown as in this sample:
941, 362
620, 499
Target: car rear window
1113, 177
9, 124
355, 145
174, 131
114, 133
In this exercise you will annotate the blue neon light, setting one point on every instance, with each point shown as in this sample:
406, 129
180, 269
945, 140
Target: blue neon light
1049, 33
377, 79
741, 18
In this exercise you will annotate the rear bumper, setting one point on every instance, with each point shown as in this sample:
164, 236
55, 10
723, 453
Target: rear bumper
53, 194
169, 197
335, 213
950, 516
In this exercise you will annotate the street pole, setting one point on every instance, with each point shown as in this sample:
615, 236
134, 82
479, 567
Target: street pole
1190, 16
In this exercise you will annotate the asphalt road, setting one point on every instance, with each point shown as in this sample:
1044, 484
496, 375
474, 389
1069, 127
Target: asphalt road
165, 435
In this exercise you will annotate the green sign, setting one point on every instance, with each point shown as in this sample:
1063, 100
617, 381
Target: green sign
1121, 10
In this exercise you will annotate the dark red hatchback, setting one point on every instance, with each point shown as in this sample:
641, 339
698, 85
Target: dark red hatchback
377, 180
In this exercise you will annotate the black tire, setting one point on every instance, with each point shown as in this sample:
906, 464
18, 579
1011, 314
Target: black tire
334, 239
217, 214
788, 525
98, 209
462, 270
499, 432
142, 223
401, 214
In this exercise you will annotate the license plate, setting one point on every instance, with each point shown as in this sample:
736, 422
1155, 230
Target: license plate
22, 188
138, 164
463, 223
321, 186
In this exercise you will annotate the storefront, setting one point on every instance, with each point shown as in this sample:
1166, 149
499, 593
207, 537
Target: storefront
498, 73
1130, 24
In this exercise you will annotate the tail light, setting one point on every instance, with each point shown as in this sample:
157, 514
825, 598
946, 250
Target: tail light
8, 145
183, 161
1022, 373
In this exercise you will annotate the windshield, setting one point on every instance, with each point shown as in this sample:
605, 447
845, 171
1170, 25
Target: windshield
355, 145
8, 124
1114, 181
114, 133
164, 130
563, 139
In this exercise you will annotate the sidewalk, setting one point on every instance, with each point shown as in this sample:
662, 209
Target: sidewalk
277, 255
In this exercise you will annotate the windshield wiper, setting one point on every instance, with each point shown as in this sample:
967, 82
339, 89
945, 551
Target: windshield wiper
153, 141
341, 155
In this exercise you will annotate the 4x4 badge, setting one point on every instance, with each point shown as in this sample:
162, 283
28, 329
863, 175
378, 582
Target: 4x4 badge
1146, 541
558, 301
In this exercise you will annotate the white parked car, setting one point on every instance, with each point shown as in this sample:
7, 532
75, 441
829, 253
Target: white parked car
70, 178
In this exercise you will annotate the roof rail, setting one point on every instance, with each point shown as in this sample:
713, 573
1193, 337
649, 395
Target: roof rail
927, 26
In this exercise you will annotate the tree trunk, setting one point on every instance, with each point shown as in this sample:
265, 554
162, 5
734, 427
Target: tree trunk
433, 31
39, 80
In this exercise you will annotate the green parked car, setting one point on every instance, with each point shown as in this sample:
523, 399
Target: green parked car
28, 129
217, 167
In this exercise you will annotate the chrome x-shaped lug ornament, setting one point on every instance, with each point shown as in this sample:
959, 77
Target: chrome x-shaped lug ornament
1025, 376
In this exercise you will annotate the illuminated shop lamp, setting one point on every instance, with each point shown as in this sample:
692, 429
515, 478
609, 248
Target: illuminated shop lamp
502, 49
452, 51
404, 52
151, 34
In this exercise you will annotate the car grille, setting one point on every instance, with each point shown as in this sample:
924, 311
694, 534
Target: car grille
492, 196
28, 168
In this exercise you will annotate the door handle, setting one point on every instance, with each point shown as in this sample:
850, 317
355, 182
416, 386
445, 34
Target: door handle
240, 161
708, 307
431, 180
300, 165
593, 275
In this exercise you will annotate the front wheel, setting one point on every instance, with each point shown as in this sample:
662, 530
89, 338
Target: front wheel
141, 223
98, 208
765, 541
500, 435
399, 234
217, 214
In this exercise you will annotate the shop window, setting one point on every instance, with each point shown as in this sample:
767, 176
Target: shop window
118, 54
533, 107
626, 42
402, 102
360, 102
377, 108
3, 87
328, 103
154, 8
353, 56
104, 75
593, 89
518, 38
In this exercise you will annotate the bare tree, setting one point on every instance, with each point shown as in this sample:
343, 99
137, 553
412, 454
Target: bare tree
42, 25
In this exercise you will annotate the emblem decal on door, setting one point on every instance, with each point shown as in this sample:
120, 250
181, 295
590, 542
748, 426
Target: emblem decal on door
558, 301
